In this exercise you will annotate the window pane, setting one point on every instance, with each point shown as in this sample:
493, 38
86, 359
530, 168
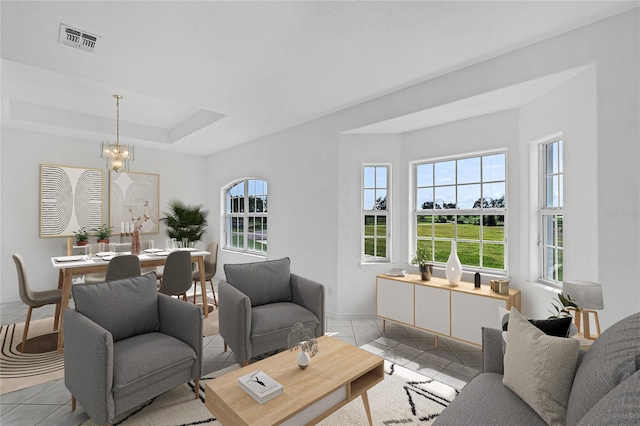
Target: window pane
369, 199
445, 197
425, 198
423, 226
424, 175
381, 228
442, 250
559, 269
552, 157
252, 187
549, 263
493, 256
469, 170
444, 226
369, 225
468, 253
468, 196
381, 199
493, 167
560, 156
369, 247
381, 247
552, 191
493, 228
381, 177
493, 194
446, 173
560, 230
369, 177
469, 227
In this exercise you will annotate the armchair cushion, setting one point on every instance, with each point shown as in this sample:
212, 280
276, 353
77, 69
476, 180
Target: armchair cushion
130, 311
264, 282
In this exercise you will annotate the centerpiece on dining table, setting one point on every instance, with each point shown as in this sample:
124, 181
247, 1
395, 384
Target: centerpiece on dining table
137, 226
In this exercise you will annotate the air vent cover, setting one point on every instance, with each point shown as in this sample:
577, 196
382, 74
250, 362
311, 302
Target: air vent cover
77, 38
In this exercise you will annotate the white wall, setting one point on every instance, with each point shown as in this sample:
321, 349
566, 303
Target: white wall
181, 176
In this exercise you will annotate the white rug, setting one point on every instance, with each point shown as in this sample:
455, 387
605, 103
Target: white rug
403, 397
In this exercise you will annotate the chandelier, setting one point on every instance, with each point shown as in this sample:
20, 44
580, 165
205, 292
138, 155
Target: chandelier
118, 156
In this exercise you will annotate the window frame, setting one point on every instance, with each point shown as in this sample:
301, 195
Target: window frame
481, 212
554, 213
245, 216
374, 259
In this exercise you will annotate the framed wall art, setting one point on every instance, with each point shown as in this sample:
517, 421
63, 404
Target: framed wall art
70, 199
132, 195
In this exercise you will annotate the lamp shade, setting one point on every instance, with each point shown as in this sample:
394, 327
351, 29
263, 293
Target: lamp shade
586, 294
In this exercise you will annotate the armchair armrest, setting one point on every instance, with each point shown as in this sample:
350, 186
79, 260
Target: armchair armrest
88, 364
309, 294
184, 322
492, 354
234, 319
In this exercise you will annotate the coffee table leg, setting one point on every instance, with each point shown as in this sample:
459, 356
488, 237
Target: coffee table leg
365, 400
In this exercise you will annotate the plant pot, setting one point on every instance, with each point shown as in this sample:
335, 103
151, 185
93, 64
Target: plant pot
426, 270
303, 360
104, 240
81, 243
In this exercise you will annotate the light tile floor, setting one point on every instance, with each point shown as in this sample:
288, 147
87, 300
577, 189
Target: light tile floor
451, 362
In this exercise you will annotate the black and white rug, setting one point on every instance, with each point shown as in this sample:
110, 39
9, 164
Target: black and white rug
404, 396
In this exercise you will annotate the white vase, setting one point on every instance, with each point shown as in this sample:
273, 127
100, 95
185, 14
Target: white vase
303, 359
453, 269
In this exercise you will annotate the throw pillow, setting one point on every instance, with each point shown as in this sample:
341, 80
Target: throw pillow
124, 308
264, 282
540, 368
560, 327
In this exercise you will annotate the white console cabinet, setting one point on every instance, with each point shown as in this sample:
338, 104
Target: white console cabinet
458, 312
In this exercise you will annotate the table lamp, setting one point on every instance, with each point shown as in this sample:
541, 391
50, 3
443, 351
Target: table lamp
588, 296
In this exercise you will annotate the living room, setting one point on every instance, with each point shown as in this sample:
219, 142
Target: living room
581, 85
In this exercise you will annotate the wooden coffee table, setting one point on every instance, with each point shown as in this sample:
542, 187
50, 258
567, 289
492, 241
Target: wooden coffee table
338, 374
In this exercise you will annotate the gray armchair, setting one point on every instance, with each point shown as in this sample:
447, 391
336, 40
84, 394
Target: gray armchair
260, 302
124, 343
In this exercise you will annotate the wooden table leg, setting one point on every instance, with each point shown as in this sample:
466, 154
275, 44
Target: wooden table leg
66, 293
365, 400
203, 285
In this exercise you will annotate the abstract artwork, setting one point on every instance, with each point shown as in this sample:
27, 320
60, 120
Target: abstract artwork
70, 199
133, 195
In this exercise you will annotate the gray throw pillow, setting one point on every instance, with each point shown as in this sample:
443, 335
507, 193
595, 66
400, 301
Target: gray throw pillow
619, 407
540, 368
264, 282
610, 360
124, 308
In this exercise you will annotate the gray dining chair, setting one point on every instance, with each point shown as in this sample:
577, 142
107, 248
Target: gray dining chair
124, 266
35, 299
177, 274
210, 267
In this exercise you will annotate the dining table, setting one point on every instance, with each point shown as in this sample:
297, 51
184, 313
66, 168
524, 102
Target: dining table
69, 266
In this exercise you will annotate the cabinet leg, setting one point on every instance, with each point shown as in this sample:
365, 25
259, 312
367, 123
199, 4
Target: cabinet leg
384, 325
436, 341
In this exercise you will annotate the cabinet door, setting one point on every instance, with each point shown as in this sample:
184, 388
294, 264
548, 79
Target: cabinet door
394, 300
432, 309
470, 312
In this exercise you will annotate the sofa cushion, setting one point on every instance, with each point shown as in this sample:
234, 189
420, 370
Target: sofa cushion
619, 407
271, 324
540, 368
485, 401
610, 360
264, 282
560, 327
129, 311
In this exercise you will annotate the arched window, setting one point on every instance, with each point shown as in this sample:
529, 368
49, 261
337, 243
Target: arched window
246, 216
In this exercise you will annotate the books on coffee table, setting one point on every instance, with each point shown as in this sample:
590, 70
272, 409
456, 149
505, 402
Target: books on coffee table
260, 386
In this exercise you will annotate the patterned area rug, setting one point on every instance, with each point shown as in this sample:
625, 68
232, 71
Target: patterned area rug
403, 397
21, 370
43, 364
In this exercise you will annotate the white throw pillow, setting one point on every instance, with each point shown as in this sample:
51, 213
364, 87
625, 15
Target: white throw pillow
540, 368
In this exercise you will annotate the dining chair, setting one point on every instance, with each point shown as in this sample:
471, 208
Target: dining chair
177, 274
35, 299
124, 266
210, 267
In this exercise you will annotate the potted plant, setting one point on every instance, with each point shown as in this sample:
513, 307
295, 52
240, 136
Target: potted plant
302, 338
563, 305
185, 223
422, 259
102, 233
82, 236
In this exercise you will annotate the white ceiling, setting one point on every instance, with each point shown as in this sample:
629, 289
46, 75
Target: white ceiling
201, 77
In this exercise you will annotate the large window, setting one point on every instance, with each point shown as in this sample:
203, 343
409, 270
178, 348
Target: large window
375, 213
551, 202
246, 216
463, 199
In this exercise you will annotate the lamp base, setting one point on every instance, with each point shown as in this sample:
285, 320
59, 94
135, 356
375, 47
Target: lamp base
583, 317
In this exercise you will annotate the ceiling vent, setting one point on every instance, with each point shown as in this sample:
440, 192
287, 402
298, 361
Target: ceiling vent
77, 38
